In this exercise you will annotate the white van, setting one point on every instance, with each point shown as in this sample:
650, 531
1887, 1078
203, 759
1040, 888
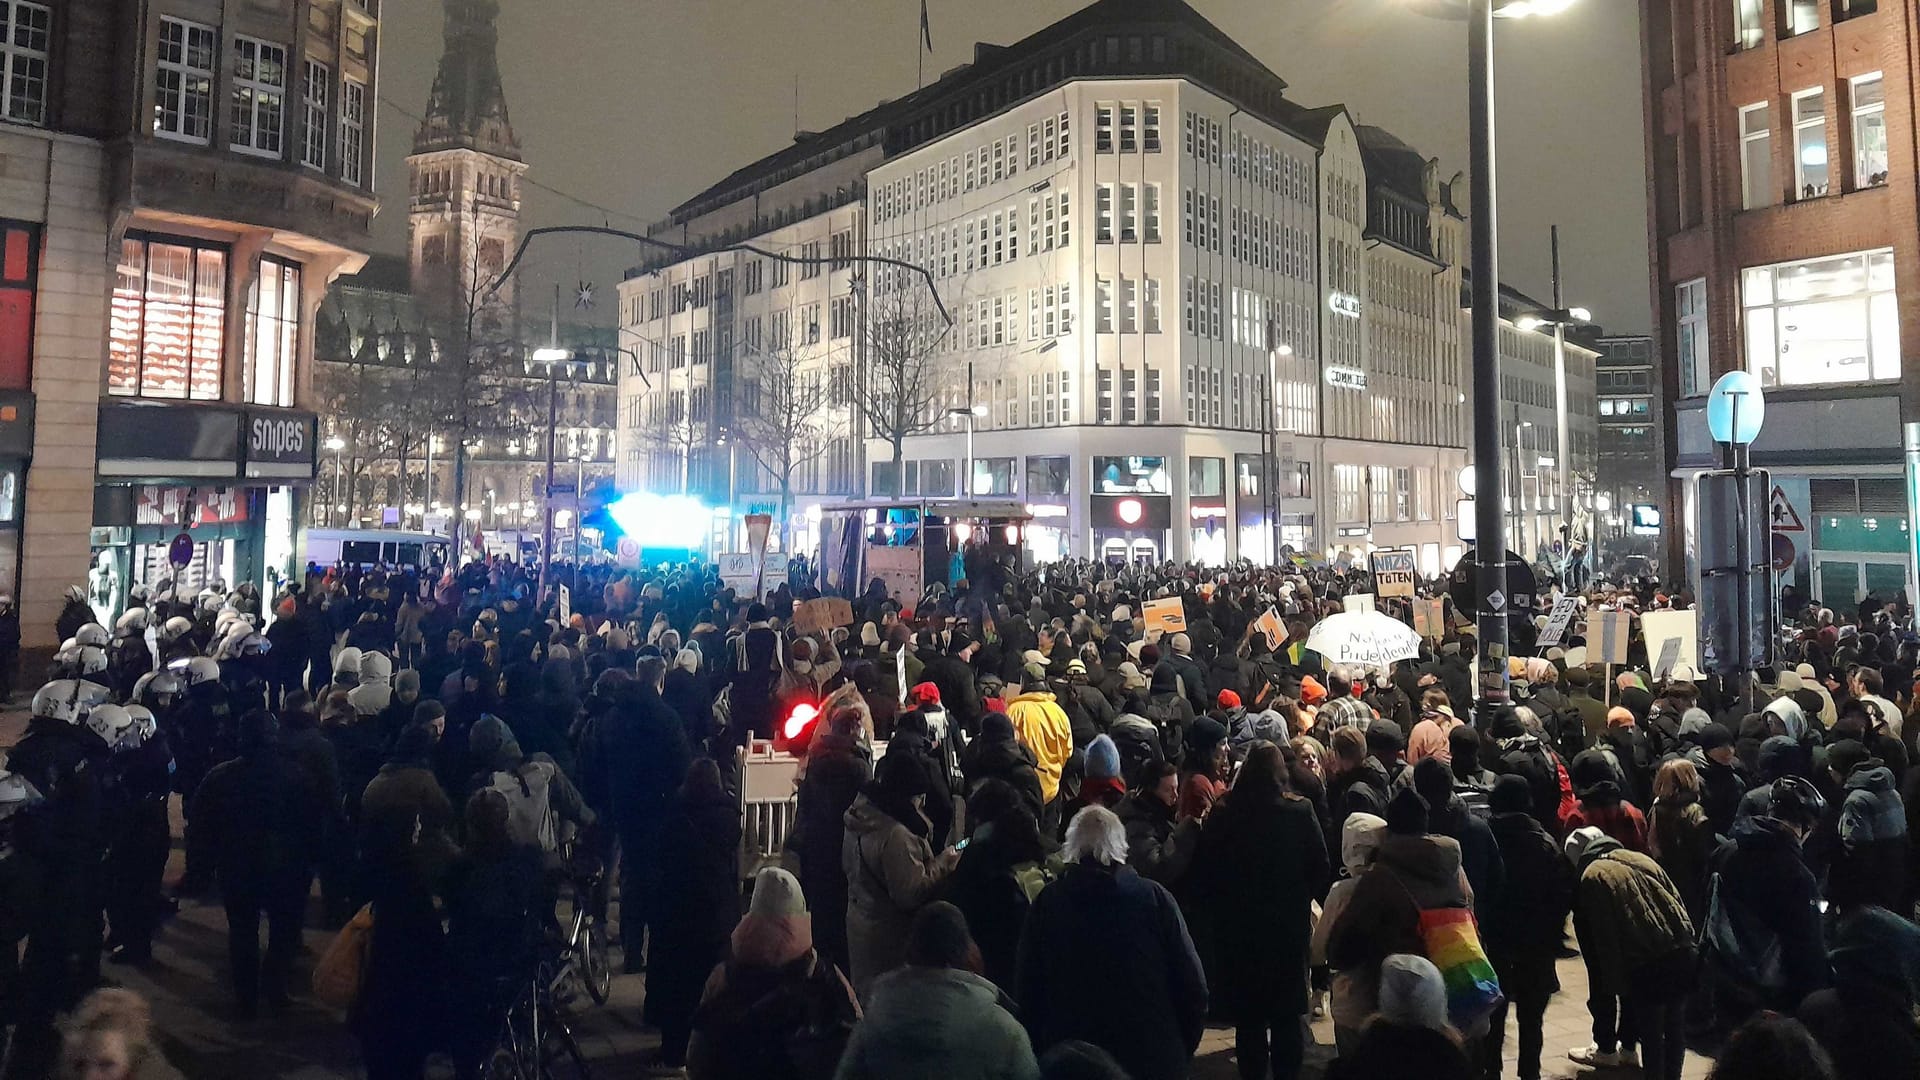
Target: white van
375, 547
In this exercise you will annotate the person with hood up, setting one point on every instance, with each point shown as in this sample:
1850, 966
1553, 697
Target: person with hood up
952, 672
1409, 1038
1723, 779
1522, 754
1043, 728
937, 1018
1168, 710
699, 908
838, 763
998, 754
1203, 768
774, 1008
892, 870
538, 793
1004, 867
1871, 847
913, 739
1354, 993
1866, 1018
1602, 803
1637, 942
1472, 781
1413, 871
1105, 958
1160, 843
1779, 757
1765, 947
1447, 815
1262, 862
374, 692
1521, 925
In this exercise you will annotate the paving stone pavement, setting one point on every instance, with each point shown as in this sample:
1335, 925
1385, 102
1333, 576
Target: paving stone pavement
187, 987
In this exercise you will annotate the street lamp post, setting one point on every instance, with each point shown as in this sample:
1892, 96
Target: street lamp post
336, 444
1490, 542
551, 357
969, 415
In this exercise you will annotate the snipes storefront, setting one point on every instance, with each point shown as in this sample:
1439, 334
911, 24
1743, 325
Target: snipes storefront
232, 479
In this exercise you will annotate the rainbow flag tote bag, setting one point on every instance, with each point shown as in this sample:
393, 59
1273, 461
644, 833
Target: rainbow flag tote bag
1453, 944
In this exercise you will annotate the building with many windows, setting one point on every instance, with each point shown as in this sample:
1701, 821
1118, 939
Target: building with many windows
1178, 315
416, 348
184, 179
1783, 216
1631, 462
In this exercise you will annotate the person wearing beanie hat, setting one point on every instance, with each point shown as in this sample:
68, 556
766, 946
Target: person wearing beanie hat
1638, 945
1352, 998
1410, 1037
1203, 768
1103, 783
1262, 862
1521, 924
1600, 787
771, 955
1723, 777
938, 1017
537, 792
952, 674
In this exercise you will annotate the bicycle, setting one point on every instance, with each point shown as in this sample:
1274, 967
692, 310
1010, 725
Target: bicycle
584, 952
535, 1042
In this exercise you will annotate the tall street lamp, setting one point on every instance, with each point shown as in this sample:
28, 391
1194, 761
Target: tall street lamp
336, 444
1559, 317
552, 358
1490, 543
969, 415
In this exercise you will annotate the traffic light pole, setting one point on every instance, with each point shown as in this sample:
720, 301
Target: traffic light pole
1490, 527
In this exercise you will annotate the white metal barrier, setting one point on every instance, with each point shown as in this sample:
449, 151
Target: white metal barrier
769, 801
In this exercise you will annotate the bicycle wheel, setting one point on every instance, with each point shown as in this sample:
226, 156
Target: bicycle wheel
560, 1055
503, 1065
595, 965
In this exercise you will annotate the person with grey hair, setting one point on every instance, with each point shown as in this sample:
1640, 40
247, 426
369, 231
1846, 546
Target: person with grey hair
1100, 924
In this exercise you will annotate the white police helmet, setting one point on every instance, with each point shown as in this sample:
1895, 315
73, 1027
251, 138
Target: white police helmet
161, 684
142, 728
176, 628
201, 669
91, 634
68, 699
109, 721
75, 594
93, 659
16, 794
131, 624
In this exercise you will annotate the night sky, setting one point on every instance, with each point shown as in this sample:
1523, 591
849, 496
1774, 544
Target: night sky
635, 105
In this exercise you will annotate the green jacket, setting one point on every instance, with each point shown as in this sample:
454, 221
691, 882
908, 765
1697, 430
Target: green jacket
937, 1024
1629, 916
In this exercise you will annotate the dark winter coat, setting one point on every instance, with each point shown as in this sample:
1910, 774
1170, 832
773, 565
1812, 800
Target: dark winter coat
1260, 866
1529, 759
837, 768
256, 819
1763, 878
998, 755
1682, 840
1364, 789
1521, 922
938, 1024
633, 758
939, 801
1873, 835
698, 904
1409, 874
1106, 958
1631, 923
891, 874
1159, 848
959, 694
1479, 850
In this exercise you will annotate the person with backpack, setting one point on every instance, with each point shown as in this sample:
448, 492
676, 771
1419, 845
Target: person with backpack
997, 754
1763, 938
1169, 712
537, 792
773, 1009
1523, 754
1005, 865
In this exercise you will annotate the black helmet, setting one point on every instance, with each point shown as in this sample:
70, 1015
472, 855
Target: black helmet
1796, 802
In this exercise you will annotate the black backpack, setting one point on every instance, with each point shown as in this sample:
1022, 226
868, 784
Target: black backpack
1166, 720
794, 1029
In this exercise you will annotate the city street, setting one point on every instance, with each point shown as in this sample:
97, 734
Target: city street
186, 985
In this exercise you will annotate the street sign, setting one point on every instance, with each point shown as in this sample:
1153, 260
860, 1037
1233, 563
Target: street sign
1393, 572
180, 552
627, 553
1463, 584
557, 489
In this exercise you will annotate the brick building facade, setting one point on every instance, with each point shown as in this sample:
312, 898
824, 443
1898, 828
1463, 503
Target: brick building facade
1784, 219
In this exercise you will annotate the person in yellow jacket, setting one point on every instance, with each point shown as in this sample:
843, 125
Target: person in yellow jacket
1041, 725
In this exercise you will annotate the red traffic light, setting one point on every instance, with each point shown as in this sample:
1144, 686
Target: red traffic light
800, 719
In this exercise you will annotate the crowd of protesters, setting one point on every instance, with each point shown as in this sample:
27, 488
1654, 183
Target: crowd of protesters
1032, 836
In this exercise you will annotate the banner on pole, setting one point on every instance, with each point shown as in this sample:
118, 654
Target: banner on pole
1608, 635
1275, 631
1430, 617
1393, 572
566, 605
1558, 622
758, 525
1167, 616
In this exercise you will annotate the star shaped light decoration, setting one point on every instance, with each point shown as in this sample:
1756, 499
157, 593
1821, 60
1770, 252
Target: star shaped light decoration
583, 296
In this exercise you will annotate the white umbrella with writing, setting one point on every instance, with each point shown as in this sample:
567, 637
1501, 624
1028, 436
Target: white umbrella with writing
1372, 638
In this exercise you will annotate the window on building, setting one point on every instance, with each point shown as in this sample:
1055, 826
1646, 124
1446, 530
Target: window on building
1129, 195
183, 81
1756, 156
169, 319
259, 96
1150, 127
1150, 213
841, 315
1103, 128
1150, 309
1349, 504
1822, 321
1749, 24
1869, 131
1129, 395
1153, 396
810, 250
1104, 382
353, 116
1103, 213
1801, 16
1129, 128
273, 333
316, 93
702, 347
677, 352
19, 281
840, 248
810, 324
1810, 143
1129, 305
1103, 305
26, 32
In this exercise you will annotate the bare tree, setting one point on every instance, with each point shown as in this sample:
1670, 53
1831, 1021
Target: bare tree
907, 376
783, 416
